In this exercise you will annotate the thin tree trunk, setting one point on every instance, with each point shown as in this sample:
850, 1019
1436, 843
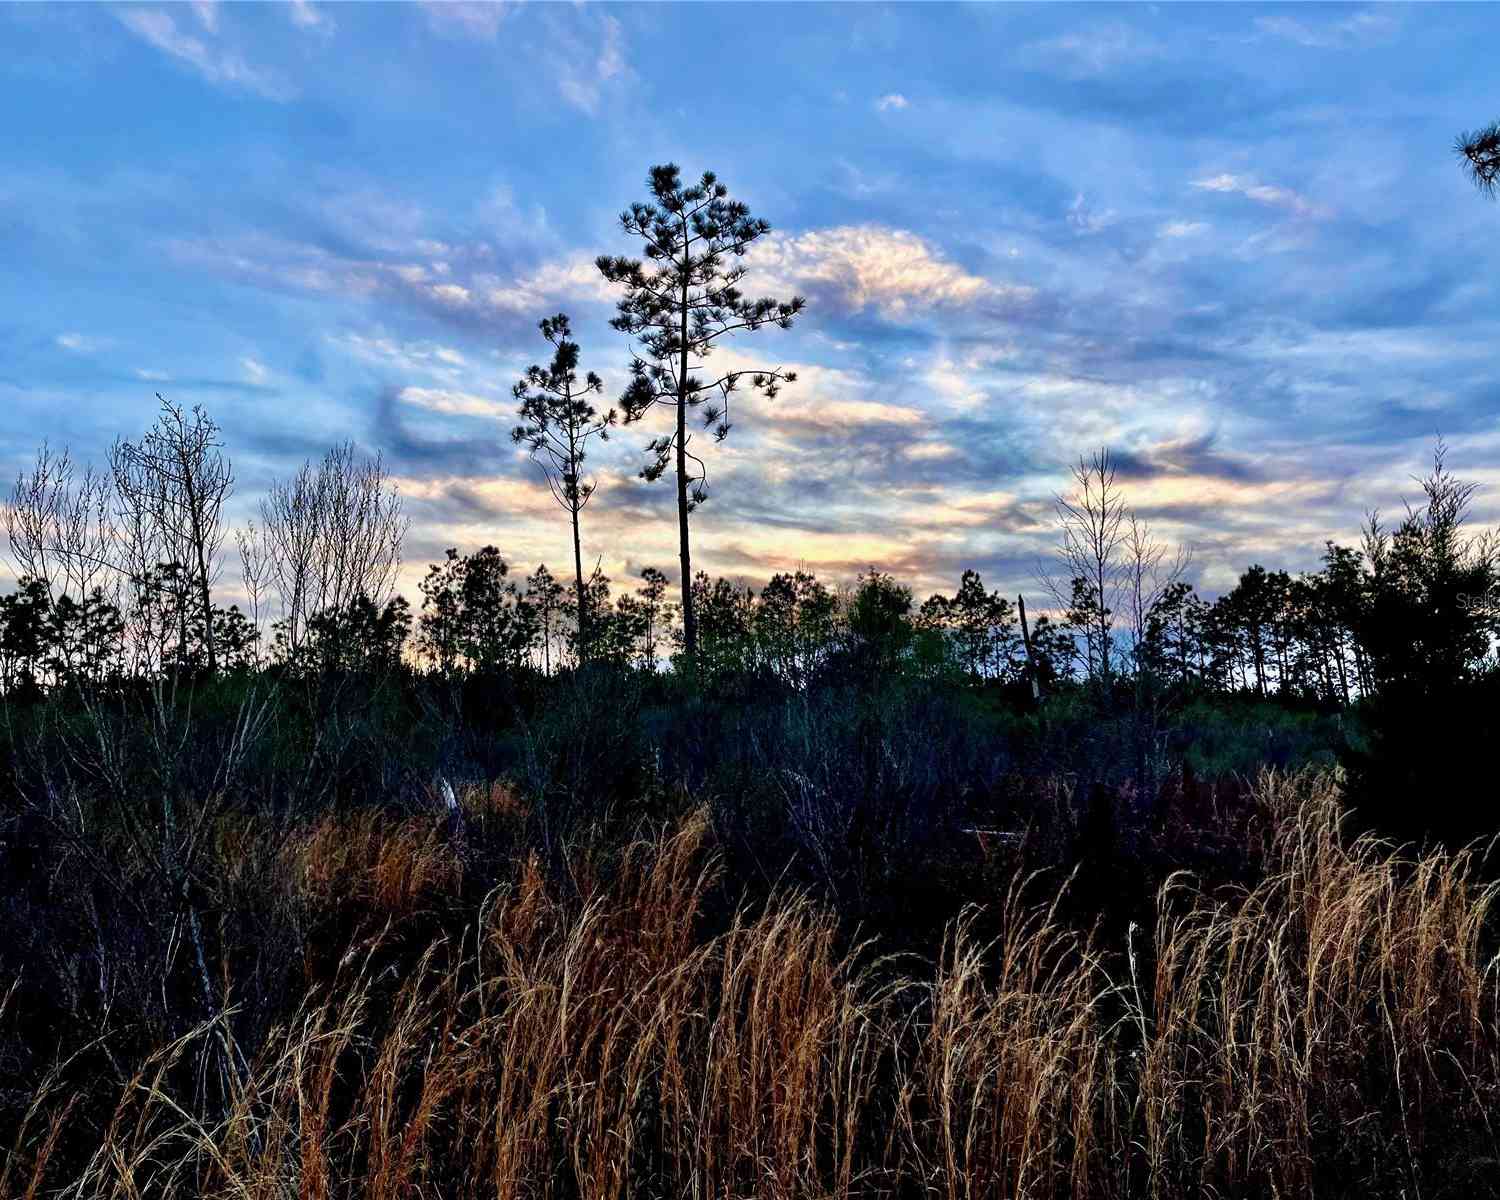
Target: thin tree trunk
689, 618
1342, 666
583, 621
1036, 683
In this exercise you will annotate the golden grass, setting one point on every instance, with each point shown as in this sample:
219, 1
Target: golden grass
366, 859
1332, 1031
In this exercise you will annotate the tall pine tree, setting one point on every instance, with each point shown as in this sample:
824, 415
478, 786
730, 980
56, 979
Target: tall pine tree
678, 304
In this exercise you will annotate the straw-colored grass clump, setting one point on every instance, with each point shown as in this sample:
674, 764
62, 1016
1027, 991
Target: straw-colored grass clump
623, 1032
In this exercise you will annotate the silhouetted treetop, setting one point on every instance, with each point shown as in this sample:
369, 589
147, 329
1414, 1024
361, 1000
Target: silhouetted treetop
1480, 150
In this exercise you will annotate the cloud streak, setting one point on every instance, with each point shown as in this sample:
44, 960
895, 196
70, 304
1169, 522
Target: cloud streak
217, 65
859, 267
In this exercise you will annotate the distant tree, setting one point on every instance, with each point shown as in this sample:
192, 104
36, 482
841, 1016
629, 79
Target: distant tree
879, 622
440, 627
361, 638
239, 637
557, 423
653, 593
1480, 151
491, 628
1055, 650
1087, 615
1165, 651
1150, 569
25, 616
1435, 589
1252, 607
1346, 600
978, 628
794, 622
1429, 629
678, 305
84, 638
545, 595
473, 615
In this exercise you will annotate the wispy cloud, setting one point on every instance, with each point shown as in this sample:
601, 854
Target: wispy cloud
421, 358
308, 16
79, 343
255, 371
1365, 28
1261, 193
583, 72
1182, 229
892, 100
1084, 218
207, 12
466, 288
1084, 53
456, 403
219, 66
869, 266
467, 18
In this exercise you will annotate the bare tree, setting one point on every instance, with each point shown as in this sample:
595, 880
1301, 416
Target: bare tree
61, 533
172, 486
332, 533
1092, 576
34, 513
558, 422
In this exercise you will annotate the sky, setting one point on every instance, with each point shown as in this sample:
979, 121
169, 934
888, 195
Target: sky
1231, 243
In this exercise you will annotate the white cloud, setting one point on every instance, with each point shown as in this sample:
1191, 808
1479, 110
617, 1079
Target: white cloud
419, 358
1182, 229
870, 266
282, 264
255, 372
955, 385
1087, 220
467, 18
930, 452
306, 15
1090, 52
80, 343
826, 413
452, 294
572, 279
455, 403
207, 12
1363, 28
892, 100
1261, 193
218, 66
582, 74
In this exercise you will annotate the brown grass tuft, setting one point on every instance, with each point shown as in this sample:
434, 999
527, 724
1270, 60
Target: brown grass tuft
1332, 1031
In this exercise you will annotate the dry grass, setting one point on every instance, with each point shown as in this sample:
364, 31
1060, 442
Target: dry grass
1332, 1031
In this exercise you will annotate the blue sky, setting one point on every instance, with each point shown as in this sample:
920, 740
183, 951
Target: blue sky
1230, 242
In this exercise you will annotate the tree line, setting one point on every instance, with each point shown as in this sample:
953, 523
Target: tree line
119, 571
118, 567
